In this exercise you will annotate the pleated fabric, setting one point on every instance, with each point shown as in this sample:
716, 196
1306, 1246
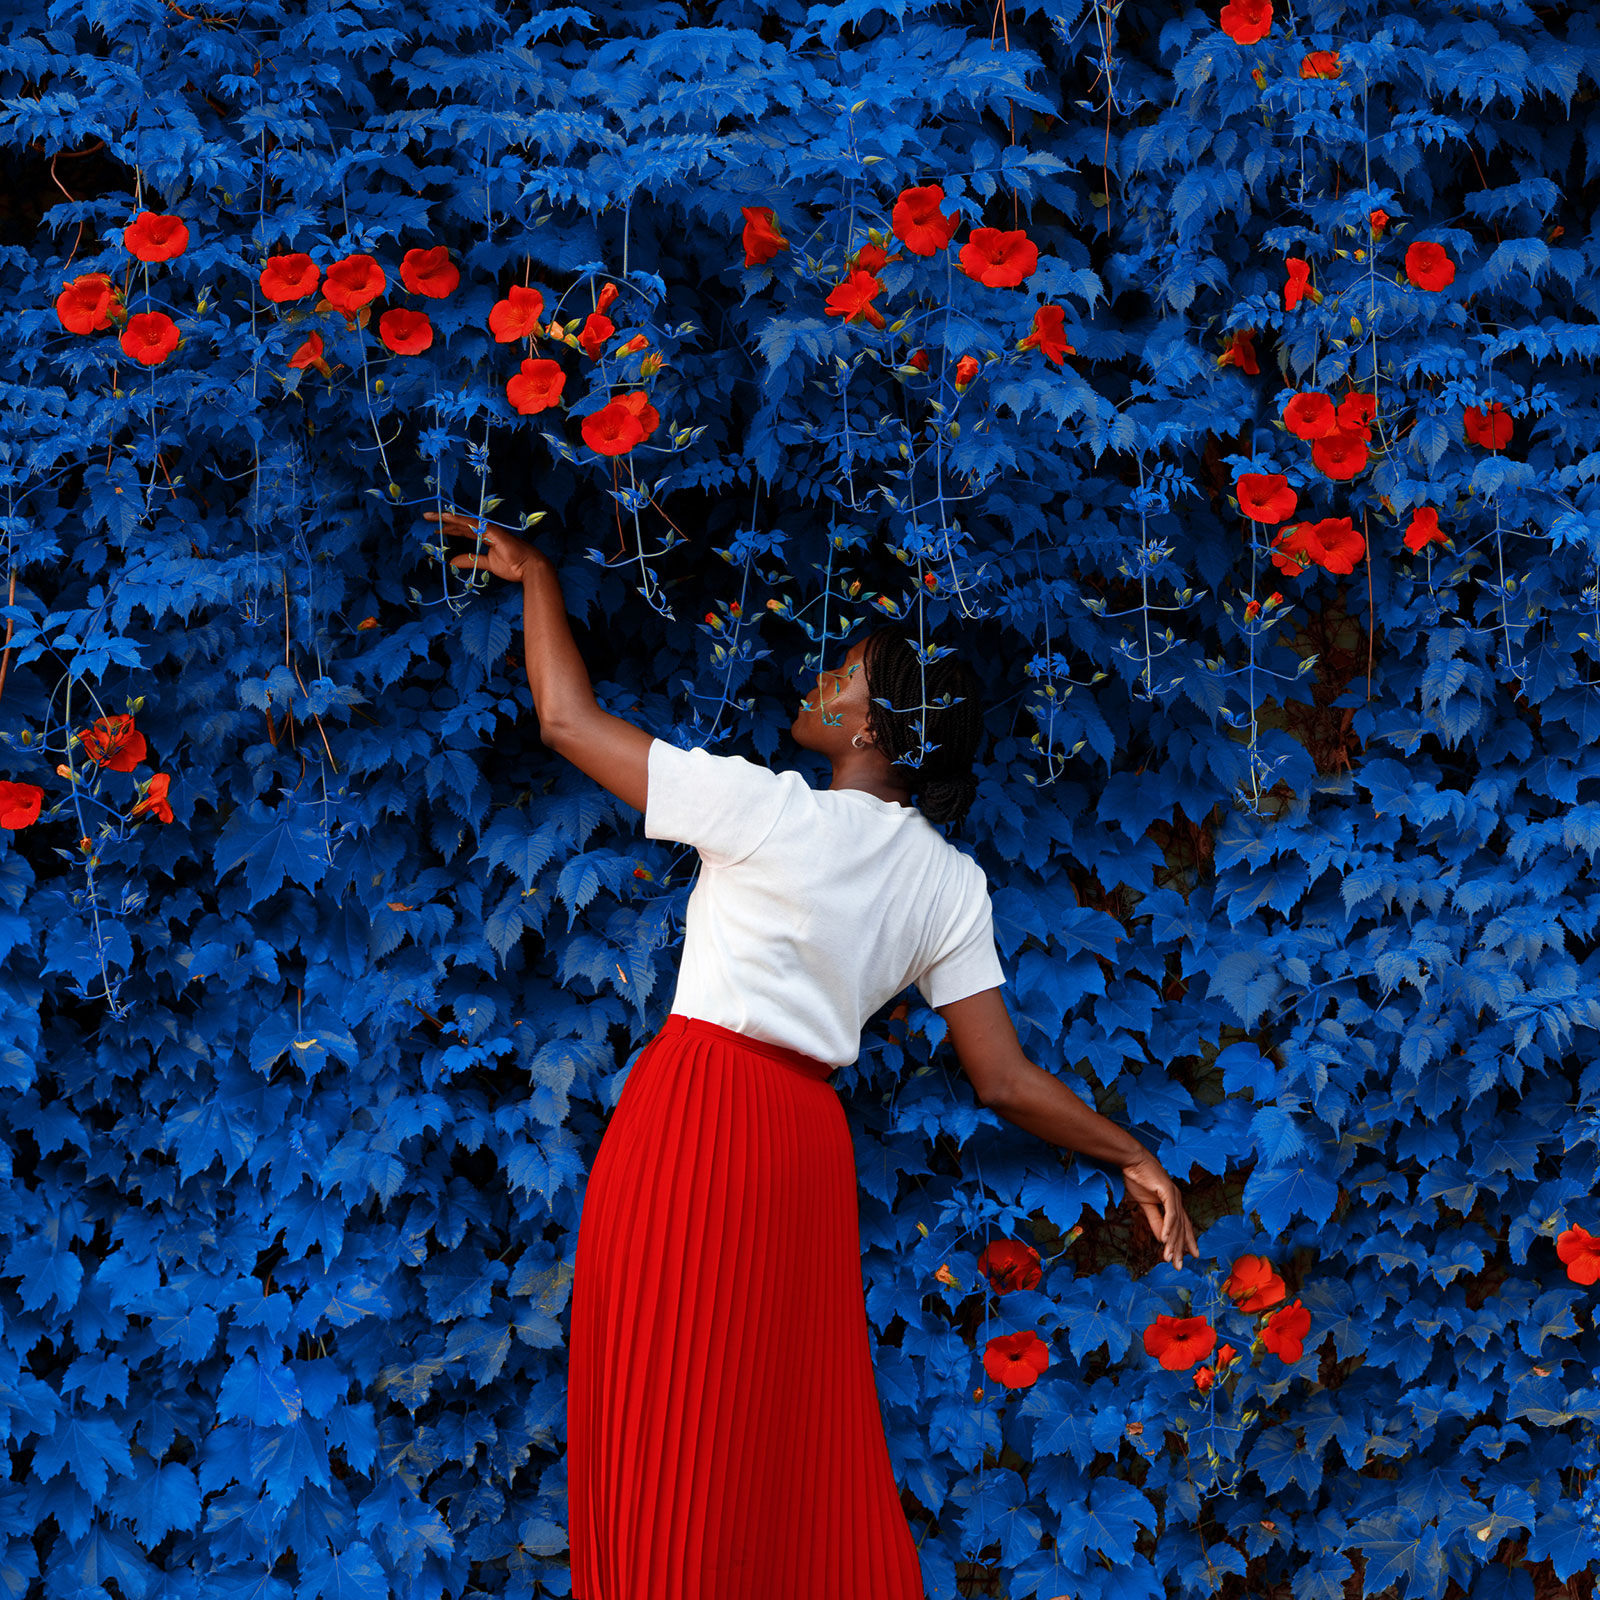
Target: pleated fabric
724, 1435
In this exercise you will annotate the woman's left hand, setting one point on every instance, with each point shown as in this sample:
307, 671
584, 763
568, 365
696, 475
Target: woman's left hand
504, 554
1155, 1192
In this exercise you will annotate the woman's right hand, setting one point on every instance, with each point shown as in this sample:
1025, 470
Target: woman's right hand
503, 554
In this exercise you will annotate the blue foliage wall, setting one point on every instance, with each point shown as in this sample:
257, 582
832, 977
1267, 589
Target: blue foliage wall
298, 1089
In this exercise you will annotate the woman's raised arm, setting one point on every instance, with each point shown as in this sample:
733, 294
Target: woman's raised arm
609, 749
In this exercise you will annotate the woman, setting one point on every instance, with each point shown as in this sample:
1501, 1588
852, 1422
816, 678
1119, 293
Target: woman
724, 1436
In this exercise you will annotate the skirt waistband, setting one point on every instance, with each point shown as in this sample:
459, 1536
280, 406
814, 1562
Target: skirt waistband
678, 1023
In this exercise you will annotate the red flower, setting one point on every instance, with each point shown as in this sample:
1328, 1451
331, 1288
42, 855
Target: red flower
596, 330
517, 316
429, 272
918, 222
1424, 529
1332, 544
1356, 413
608, 293
1340, 454
309, 354
20, 804
87, 304
536, 386
1202, 1379
407, 333
155, 798
1179, 1342
873, 258
1429, 266
762, 237
613, 430
352, 282
1009, 1264
1320, 64
150, 337
289, 277
1299, 284
1016, 1359
638, 402
1579, 1248
1491, 428
999, 258
1285, 1332
637, 342
1378, 221
1265, 496
155, 238
1242, 352
853, 298
114, 742
1049, 336
1246, 21
1252, 610
1310, 415
1227, 1352
966, 371
918, 359
1254, 1285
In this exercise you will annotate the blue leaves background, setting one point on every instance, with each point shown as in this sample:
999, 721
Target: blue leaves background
299, 1090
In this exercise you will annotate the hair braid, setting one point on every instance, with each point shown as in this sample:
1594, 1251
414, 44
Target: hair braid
943, 781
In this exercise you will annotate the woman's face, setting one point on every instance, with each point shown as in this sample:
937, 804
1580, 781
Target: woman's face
836, 709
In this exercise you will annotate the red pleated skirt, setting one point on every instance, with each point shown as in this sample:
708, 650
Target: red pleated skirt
724, 1435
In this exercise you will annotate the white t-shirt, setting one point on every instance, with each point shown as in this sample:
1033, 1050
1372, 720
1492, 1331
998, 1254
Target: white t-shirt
814, 906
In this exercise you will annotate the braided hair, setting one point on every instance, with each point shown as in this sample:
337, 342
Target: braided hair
943, 781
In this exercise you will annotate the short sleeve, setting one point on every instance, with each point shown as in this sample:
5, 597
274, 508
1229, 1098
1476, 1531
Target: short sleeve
969, 961
723, 805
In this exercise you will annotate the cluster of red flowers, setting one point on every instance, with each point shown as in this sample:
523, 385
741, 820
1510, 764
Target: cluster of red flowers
998, 258
112, 743
1428, 266
1179, 1343
92, 302
1013, 1360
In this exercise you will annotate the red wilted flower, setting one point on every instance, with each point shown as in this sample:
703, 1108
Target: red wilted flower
1242, 352
1378, 221
114, 742
763, 239
1265, 496
1340, 454
429, 272
608, 293
1357, 412
536, 386
613, 430
1253, 1284
1491, 428
150, 337
1320, 64
1579, 1248
352, 282
1310, 415
1202, 1378
517, 316
1009, 1264
1179, 1342
918, 359
1246, 21
873, 258
1227, 1352
155, 798
999, 258
1429, 266
289, 277
1285, 1332
1299, 283
853, 298
150, 237
309, 354
966, 371
1252, 610
918, 222
1016, 1359
20, 804
596, 330
1332, 544
1049, 335
407, 333
1424, 529
87, 303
